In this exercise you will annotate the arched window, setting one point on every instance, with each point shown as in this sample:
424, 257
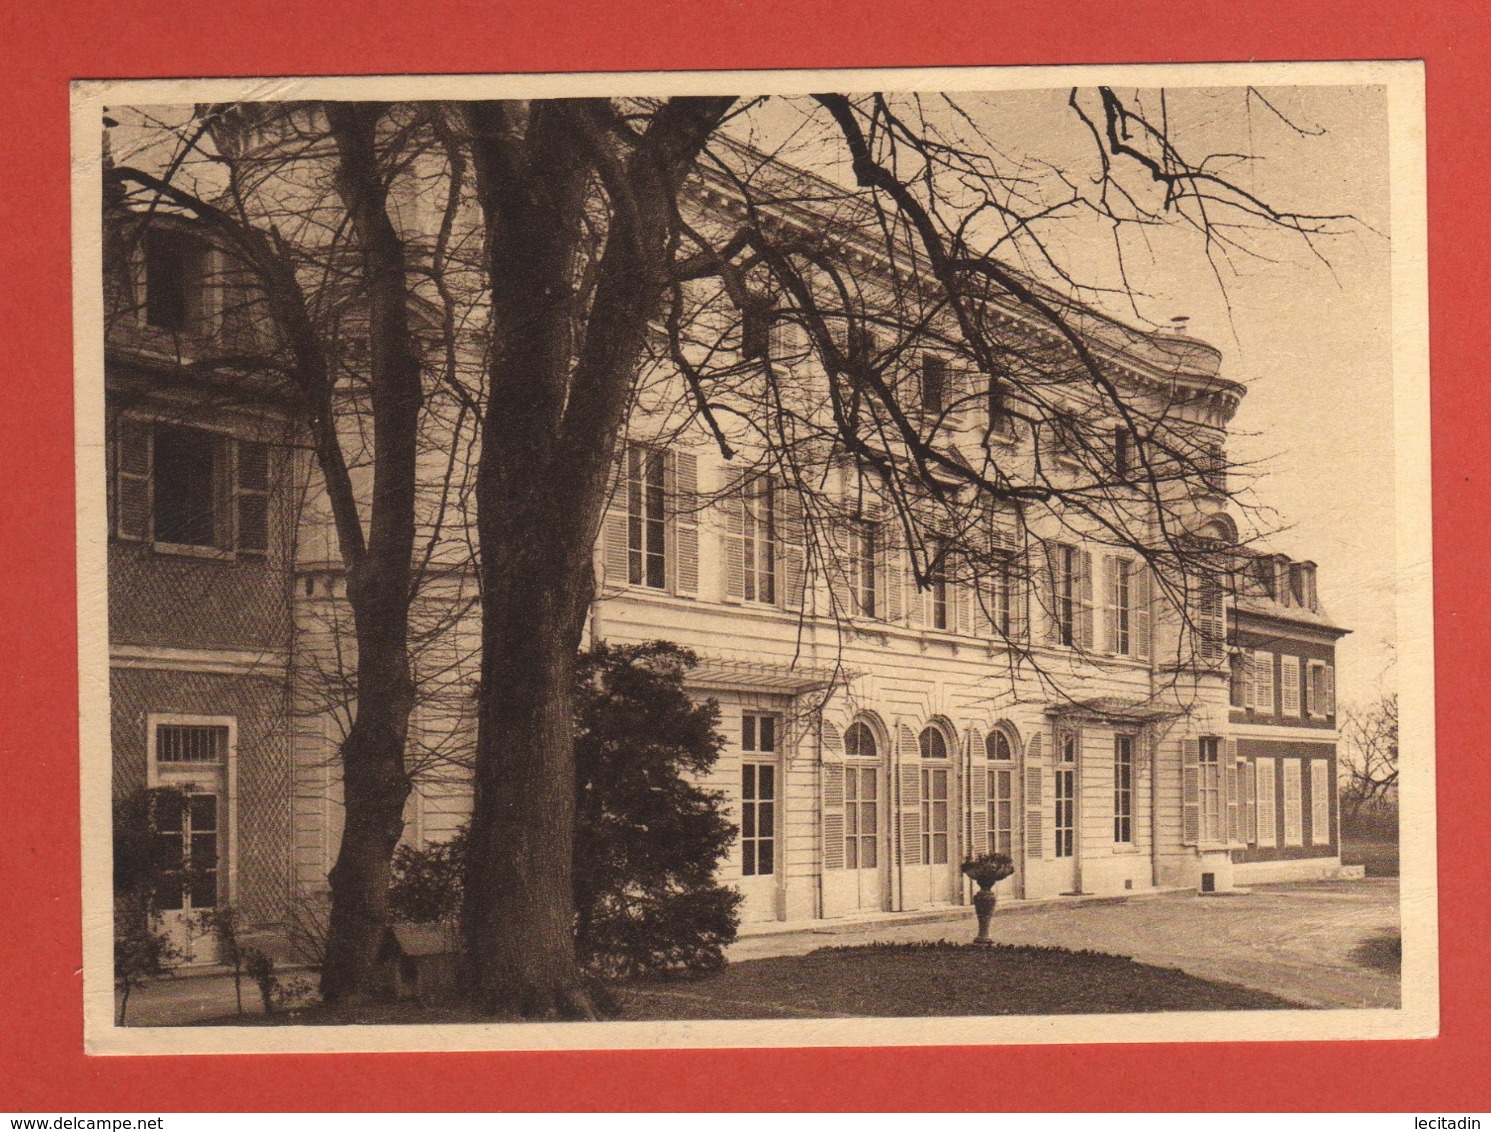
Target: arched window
997, 746
859, 742
933, 745
936, 799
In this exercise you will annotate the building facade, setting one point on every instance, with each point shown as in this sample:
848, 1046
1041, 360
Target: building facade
889, 712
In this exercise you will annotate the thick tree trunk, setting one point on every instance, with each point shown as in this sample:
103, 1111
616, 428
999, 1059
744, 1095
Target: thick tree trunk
561, 375
375, 783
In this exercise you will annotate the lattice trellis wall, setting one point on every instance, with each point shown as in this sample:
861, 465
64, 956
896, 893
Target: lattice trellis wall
258, 703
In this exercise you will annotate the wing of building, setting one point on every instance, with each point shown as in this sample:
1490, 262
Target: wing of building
888, 714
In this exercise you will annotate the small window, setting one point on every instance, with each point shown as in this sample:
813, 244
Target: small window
997, 747
181, 743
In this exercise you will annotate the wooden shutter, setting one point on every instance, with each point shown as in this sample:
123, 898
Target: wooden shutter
1019, 602
252, 466
614, 544
1113, 595
1087, 638
915, 597
791, 543
1234, 793
1249, 783
681, 486
1330, 689
1046, 574
1289, 684
1263, 673
1249, 680
132, 440
733, 544
1190, 791
978, 790
1293, 822
909, 758
890, 581
961, 596
833, 797
1268, 813
1320, 802
1141, 599
1036, 845
224, 493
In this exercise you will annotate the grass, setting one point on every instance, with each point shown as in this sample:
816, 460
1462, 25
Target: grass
1376, 849
880, 980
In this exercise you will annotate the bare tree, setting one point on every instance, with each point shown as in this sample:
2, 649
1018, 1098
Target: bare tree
1369, 757
324, 296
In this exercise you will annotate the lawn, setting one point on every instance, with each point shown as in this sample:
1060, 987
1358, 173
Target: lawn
1370, 843
883, 980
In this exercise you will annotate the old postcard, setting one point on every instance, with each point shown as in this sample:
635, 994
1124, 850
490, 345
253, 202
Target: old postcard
792, 558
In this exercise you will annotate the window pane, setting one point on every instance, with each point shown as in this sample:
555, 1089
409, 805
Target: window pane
748, 780
851, 853
204, 812
764, 818
185, 481
748, 732
748, 859
204, 890
939, 849
869, 818
870, 784
764, 863
768, 733
748, 820
767, 780
868, 853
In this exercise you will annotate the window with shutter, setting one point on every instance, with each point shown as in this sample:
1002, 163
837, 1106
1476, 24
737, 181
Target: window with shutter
1320, 802
1268, 818
911, 796
1233, 790
253, 497
1293, 816
936, 797
833, 800
683, 501
188, 474
792, 540
1190, 791
1141, 611
132, 490
1000, 792
1289, 686
1247, 782
861, 799
1064, 773
1123, 789
1263, 675
1211, 620
759, 541
892, 578
978, 801
1035, 804
1070, 573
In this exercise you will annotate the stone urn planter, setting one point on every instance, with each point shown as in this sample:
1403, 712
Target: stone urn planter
986, 870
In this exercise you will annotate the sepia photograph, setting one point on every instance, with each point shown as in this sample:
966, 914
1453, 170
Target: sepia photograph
756, 558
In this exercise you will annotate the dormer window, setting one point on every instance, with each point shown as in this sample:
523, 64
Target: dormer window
174, 278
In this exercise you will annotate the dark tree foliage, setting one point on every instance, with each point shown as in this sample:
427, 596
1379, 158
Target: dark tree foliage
144, 863
648, 837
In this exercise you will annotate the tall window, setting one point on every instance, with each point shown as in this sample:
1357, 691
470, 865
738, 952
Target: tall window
174, 263
1066, 794
758, 794
1211, 789
1001, 792
861, 799
1268, 815
188, 474
188, 836
938, 598
862, 556
1071, 594
760, 541
934, 383
1320, 802
1123, 789
1119, 593
1293, 803
1123, 448
1211, 620
646, 517
936, 777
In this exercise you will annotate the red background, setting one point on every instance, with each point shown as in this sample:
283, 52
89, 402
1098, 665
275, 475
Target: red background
44, 45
